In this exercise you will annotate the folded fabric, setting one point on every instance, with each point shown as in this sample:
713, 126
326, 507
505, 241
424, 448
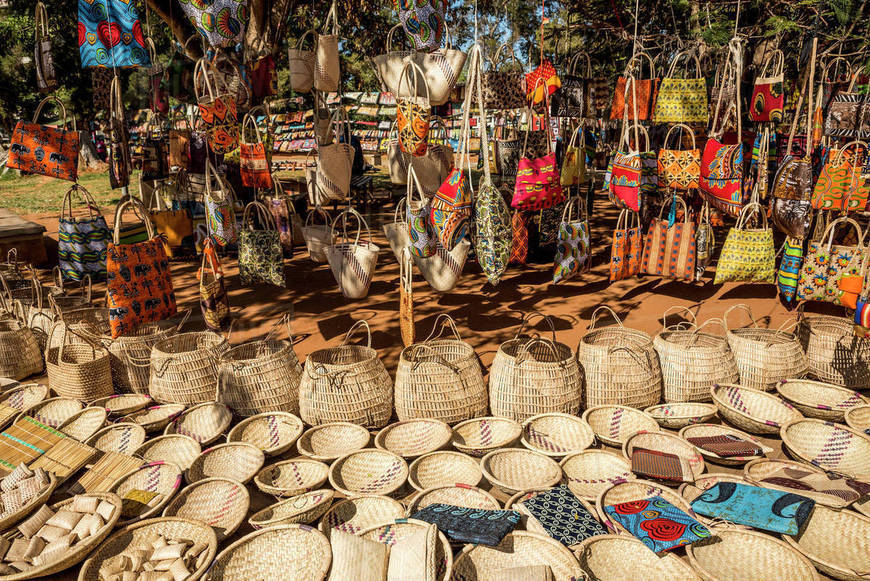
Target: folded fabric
762, 508
470, 525
819, 482
563, 516
727, 446
658, 524
660, 465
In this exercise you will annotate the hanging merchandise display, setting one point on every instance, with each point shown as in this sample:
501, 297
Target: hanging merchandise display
155, 158
318, 237
705, 242
260, 255
406, 298
178, 77
287, 220
627, 250
572, 99
630, 180
849, 113
679, 169
49, 150
46, 79
389, 66
110, 34
844, 183
253, 162
748, 254
669, 251
423, 21
118, 156
573, 253
335, 160
519, 238
443, 269
157, 96
573, 171
264, 78
504, 86
768, 93
423, 239
213, 298
682, 99
789, 269
219, 211
218, 112
179, 144
222, 23
825, 263
412, 113
538, 185
175, 227
637, 98
327, 67
352, 260
301, 64
83, 240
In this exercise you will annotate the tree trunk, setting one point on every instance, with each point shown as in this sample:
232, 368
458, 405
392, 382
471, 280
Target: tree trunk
88, 153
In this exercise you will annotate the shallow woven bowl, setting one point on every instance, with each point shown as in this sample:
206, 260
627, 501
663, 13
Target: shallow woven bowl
837, 542
354, 515
666, 442
53, 411
273, 432
236, 460
122, 438
756, 471
622, 557
12, 518
517, 549
479, 436
514, 469
858, 418
178, 449
755, 411
705, 430
205, 422
465, 496
740, 555
392, 533
590, 472
23, 397
156, 417
444, 468
832, 447
160, 477
815, 399
291, 477
84, 424
369, 471
556, 434
413, 438
613, 424
174, 528
635, 490
330, 441
123, 404
296, 552
221, 503
301, 509
680, 415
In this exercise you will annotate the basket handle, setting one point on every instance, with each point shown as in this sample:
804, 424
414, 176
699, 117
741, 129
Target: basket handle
446, 321
358, 325
524, 353
594, 320
697, 332
744, 308
528, 317
285, 318
434, 355
676, 308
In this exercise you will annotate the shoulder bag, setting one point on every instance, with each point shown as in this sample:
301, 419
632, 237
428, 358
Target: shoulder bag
213, 298
253, 163
119, 148
327, 67
768, 95
83, 240
572, 249
627, 249
260, 255
221, 23
670, 250
640, 100
538, 184
219, 211
335, 160
748, 254
412, 113
46, 79
679, 169
574, 160
423, 239
352, 261
843, 183
441, 69
825, 263
504, 88
218, 112
49, 150
682, 99
301, 64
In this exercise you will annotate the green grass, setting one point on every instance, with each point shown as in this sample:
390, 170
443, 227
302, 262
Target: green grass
33, 194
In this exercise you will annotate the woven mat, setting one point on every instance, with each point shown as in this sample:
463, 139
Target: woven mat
110, 467
25, 441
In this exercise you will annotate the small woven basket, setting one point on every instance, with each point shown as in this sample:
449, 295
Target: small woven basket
162, 478
53, 411
815, 399
413, 438
517, 549
834, 352
177, 449
120, 438
20, 356
613, 424
680, 415
272, 432
301, 509
236, 460
590, 472
330, 441
514, 469
752, 410
480, 436
221, 503
556, 434
444, 468
19, 399
291, 477
618, 365
76, 370
392, 533
831, 447
368, 471
205, 422
668, 443
184, 367
713, 430
858, 418
625, 557
440, 378
123, 404
348, 383
635, 490
354, 515
455, 495
84, 424
157, 417
736, 554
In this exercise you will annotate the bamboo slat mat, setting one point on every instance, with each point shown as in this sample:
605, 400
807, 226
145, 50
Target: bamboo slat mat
110, 467
65, 458
25, 441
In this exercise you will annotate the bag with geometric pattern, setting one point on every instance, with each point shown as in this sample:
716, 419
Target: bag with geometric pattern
682, 100
748, 254
679, 169
572, 252
412, 114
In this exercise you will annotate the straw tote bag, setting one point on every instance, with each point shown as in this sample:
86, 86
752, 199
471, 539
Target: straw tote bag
638, 98
49, 150
301, 65
825, 263
335, 161
261, 259
843, 184
352, 263
327, 67
220, 214
574, 160
572, 98
389, 66
82, 241
502, 88
679, 169
175, 227
443, 268
253, 162
406, 298
670, 251
397, 231
412, 114
213, 298
682, 99
422, 238
573, 254
318, 237
538, 185
768, 96
218, 112
46, 79
627, 250
79, 370
441, 69
748, 254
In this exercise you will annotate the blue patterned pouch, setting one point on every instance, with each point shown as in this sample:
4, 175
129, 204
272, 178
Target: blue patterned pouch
660, 525
563, 516
470, 525
762, 508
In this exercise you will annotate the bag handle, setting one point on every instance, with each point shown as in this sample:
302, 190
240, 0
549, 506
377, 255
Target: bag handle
390, 36
413, 182
139, 211
748, 210
527, 318
422, 353
404, 75
40, 34
776, 59
263, 214
831, 63
742, 307
808, 86
249, 121
530, 113
361, 223
307, 34
495, 59
636, 61
829, 231
677, 308
524, 350
61, 110
210, 260
331, 18
675, 199
361, 324
689, 57
66, 206
340, 114
568, 211
205, 68
594, 319
318, 210
682, 127
444, 320
577, 56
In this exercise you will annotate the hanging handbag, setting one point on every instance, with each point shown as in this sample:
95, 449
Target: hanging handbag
49, 150
682, 99
327, 67
825, 263
219, 212
412, 114
139, 283
627, 249
748, 254
572, 99
637, 97
175, 227
118, 155
440, 71
503, 88
831, 87
669, 252
301, 64
572, 252
423, 22
155, 162
157, 97
46, 79
423, 239
260, 255
264, 78
705, 242
389, 66
231, 79
679, 169
538, 182
335, 161
352, 263
318, 237
519, 238
82, 241
218, 112
625, 184
406, 298
790, 268
849, 113
844, 183
287, 220
110, 35
213, 298
542, 82
574, 160
253, 165
179, 146
768, 95
222, 23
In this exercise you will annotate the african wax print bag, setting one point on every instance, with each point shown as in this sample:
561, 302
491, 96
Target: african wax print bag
538, 184
572, 249
825, 263
768, 96
261, 259
843, 183
82, 241
790, 268
627, 250
218, 112
722, 175
630, 180
492, 228
660, 465
253, 163
563, 516
469, 525
420, 233
519, 238
219, 211
213, 299
635, 99
660, 525
682, 99
220, 22
49, 150
541, 83
748, 254
110, 34
761, 508
572, 99
574, 160
412, 114
423, 21
670, 250
679, 169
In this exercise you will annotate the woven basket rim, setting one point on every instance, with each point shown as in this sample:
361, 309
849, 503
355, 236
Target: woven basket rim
81, 413
668, 437
321, 567
414, 500
588, 340
180, 407
179, 499
239, 445
160, 346
222, 427
829, 558
161, 438
112, 427
266, 488
637, 546
306, 436
141, 401
509, 348
468, 350
714, 393
158, 509
485, 461
328, 497
585, 427
30, 507
324, 356
236, 433
820, 386
711, 343
464, 458
397, 482
852, 423
567, 556
725, 428
229, 356
434, 444
651, 410
514, 425
595, 410
788, 441
353, 499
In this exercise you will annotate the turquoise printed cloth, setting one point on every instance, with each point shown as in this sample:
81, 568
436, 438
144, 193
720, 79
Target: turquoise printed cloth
762, 508
110, 34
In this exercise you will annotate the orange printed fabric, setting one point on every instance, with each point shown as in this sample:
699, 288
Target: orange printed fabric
45, 150
254, 166
679, 169
626, 253
412, 122
222, 123
842, 184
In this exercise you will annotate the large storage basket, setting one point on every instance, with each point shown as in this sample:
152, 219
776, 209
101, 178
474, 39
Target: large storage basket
19, 351
184, 367
834, 352
76, 370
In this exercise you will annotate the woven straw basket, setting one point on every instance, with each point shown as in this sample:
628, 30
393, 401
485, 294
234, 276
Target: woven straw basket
531, 376
76, 370
456, 495
613, 424
123, 404
84, 424
261, 376
835, 354
184, 367
764, 356
368, 471
556, 434
301, 509
222, 503
836, 541
635, 490
272, 432
177, 449
444, 468
19, 352
752, 410
815, 399
291, 477
729, 554
679, 415
205, 422
832, 447
354, 515
757, 471
236, 460
330, 441
712, 430
31, 506
119, 438
858, 418
53, 411
390, 534
281, 552
590, 472
480, 436
440, 378
612, 557
164, 478
517, 549
692, 361
514, 469
156, 417
347, 383
413, 438
618, 365
668, 443
20, 399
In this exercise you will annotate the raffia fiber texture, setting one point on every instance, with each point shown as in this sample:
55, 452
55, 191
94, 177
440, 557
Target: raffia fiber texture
292, 477
678, 415
479, 436
858, 418
752, 410
236, 460
205, 422
591, 472
414, 438
517, 549
296, 552
184, 367
614, 424
272, 432
835, 354
221, 503
513, 470
21, 398
331, 441
815, 399
465, 496
155, 418
175, 448
19, 352
354, 515
832, 447
625, 557
836, 541
666, 442
390, 534
729, 553
260, 376
557, 434
31, 506
301, 509
80, 371
122, 438
368, 471
444, 468
161, 477
54, 411
123, 404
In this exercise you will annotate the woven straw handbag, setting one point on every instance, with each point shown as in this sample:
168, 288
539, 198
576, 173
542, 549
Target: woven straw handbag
20, 356
396, 231
440, 69
389, 65
352, 263
318, 237
79, 371
301, 65
327, 66
834, 352
334, 161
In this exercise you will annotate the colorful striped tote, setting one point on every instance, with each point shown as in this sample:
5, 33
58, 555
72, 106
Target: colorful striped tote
82, 241
670, 251
789, 268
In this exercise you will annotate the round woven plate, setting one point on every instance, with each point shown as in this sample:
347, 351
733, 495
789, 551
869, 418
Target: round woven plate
711, 430
296, 552
84, 424
757, 471
327, 442
815, 399
146, 531
413, 438
752, 410
273, 432
53, 411
556, 434
517, 549
480, 436
837, 542
390, 534
123, 404
635, 490
465, 496
444, 468
621, 557
205, 422
122, 438
163, 478
301, 509
368, 471
832, 447
235, 460
222, 503
22, 398
858, 418
156, 417
613, 424
738, 555
680, 415
590, 472
666, 442
514, 469
178, 449
291, 477
354, 515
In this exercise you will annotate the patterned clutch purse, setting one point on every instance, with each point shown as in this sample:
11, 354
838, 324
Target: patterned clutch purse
563, 516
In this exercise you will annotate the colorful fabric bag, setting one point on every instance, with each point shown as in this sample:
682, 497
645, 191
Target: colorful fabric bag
492, 227
213, 299
573, 254
221, 23
218, 112
660, 525
572, 99
538, 184
682, 99
139, 283
110, 34
722, 175
175, 227
504, 89
469, 525
46, 78
627, 185
768, 95
82, 241
423, 239
253, 163
519, 238
574, 160
635, 99
748, 254
412, 114
669, 251
541, 83
789, 268
761, 508
627, 250
658, 465
563, 516
792, 188
679, 169
844, 183
49, 150
260, 255
825, 263
423, 21
219, 211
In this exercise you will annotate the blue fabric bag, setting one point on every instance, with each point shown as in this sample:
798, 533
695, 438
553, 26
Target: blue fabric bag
563, 516
762, 508
660, 525
470, 525
110, 34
